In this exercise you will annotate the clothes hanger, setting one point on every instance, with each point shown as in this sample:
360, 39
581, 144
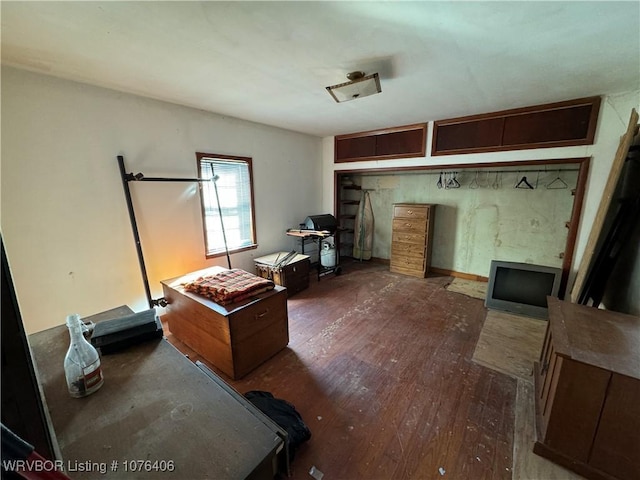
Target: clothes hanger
524, 183
453, 181
474, 183
557, 183
448, 180
497, 182
486, 180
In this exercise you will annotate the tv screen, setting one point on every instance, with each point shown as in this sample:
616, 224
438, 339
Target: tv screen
522, 287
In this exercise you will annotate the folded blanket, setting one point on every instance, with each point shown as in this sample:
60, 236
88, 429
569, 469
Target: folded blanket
229, 286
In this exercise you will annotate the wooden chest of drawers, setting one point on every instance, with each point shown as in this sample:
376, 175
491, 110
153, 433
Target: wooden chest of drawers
588, 392
412, 233
235, 338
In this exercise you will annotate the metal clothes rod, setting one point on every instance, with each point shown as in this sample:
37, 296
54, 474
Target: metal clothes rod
165, 179
553, 170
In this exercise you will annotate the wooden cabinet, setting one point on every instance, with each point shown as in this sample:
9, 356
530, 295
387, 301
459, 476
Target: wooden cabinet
396, 142
588, 391
551, 125
235, 338
411, 238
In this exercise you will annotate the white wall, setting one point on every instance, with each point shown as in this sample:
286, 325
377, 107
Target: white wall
615, 111
64, 218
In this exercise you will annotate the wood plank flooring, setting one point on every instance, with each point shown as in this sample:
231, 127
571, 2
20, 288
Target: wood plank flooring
379, 366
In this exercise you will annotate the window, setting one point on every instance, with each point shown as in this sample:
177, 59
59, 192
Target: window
233, 188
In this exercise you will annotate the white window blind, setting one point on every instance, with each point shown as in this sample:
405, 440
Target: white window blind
234, 193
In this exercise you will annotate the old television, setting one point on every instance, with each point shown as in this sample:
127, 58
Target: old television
522, 288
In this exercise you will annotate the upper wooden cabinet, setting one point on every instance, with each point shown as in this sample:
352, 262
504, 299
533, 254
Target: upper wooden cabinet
397, 142
552, 125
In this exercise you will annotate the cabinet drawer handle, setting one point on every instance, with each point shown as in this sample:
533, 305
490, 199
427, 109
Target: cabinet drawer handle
410, 212
260, 315
407, 225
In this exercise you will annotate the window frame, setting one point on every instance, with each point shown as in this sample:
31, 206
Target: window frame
249, 162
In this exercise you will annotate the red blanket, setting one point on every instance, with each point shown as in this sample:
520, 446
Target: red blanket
229, 286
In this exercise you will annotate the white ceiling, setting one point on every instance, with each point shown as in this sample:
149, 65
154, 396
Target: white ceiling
269, 62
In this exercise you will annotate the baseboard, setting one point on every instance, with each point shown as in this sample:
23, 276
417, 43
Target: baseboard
452, 273
383, 261
439, 271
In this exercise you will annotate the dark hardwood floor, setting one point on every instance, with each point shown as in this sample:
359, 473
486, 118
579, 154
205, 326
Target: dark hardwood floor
379, 366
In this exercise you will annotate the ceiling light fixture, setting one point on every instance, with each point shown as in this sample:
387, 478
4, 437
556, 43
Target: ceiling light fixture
358, 86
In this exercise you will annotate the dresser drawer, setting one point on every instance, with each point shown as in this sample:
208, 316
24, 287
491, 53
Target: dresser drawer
408, 225
407, 261
252, 320
412, 250
408, 266
411, 211
405, 237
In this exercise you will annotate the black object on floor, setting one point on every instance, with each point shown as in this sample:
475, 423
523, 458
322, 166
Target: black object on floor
284, 414
113, 335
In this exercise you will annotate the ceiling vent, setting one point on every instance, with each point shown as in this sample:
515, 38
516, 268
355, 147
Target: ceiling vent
358, 86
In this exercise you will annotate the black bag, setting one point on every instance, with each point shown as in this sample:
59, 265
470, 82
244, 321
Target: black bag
284, 414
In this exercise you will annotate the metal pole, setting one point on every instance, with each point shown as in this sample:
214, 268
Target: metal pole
224, 235
134, 227
165, 179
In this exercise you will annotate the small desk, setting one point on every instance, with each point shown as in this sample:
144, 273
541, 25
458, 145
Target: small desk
155, 405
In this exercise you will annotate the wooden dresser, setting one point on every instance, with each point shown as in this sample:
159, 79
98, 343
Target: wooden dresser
412, 233
588, 391
235, 338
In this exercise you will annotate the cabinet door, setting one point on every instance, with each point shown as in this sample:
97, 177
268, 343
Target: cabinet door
574, 408
616, 449
549, 363
410, 142
357, 147
469, 135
